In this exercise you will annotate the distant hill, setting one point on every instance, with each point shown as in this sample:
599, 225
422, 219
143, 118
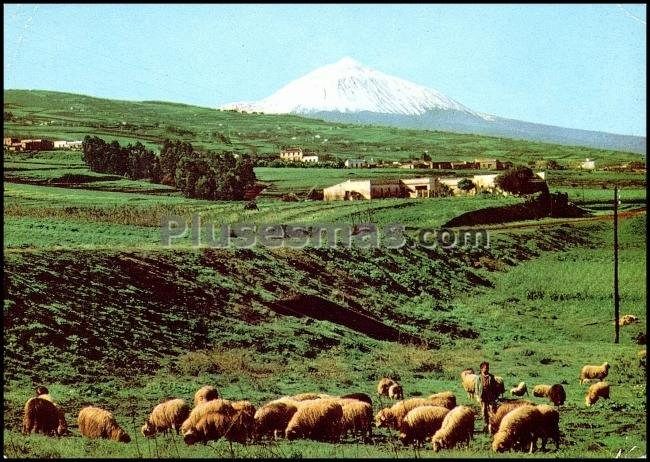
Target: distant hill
347, 91
38, 113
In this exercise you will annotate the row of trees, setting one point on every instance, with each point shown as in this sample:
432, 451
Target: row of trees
216, 176
133, 161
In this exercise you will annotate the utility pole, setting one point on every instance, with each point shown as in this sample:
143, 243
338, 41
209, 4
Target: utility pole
616, 298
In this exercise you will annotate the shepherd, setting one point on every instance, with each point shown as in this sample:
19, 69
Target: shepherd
486, 392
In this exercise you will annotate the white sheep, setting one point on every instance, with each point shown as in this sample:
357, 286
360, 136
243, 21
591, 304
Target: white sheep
596, 391
590, 372
519, 390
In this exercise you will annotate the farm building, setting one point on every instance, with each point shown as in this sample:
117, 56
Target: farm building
355, 163
420, 187
441, 165
492, 164
415, 164
452, 183
28, 145
376, 189
68, 144
292, 154
588, 164
364, 189
310, 159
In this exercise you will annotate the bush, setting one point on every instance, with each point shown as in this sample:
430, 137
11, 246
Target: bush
465, 184
251, 205
291, 197
520, 180
315, 194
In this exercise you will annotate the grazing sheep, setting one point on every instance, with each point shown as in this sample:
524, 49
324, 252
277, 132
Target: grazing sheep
272, 419
444, 399
457, 427
499, 386
383, 386
43, 416
518, 429
392, 417
504, 408
549, 425
627, 319
242, 422
519, 390
95, 422
557, 395
41, 390
541, 391
396, 391
360, 396
318, 420
210, 427
166, 416
204, 394
214, 406
357, 417
468, 379
596, 391
594, 372
305, 396
421, 423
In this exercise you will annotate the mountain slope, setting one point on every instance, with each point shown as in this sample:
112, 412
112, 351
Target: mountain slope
347, 91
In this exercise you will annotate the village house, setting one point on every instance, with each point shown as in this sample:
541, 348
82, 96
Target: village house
59, 144
441, 165
14, 144
363, 189
292, 154
355, 163
492, 164
410, 187
420, 187
311, 159
588, 164
415, 164
464, 165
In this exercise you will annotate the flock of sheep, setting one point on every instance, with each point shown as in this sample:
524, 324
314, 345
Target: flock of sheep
514, 425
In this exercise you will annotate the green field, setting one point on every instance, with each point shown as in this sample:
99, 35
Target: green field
98, 311
71, 117
255, 354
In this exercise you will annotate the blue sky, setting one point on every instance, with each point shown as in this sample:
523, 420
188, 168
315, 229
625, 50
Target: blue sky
578, 66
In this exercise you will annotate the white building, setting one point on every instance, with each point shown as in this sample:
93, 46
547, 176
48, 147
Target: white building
355, 163
313, 159
588, 164
68, 144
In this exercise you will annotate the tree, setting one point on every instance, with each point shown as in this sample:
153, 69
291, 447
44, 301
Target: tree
170, 154
520, 180
141, 163
440, 190
465, 184
426, 157
553, 164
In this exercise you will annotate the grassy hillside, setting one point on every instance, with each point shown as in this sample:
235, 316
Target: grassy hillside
69, 116
207, 317
99, 312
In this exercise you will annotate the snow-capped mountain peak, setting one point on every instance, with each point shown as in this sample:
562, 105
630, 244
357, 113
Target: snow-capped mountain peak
347, 86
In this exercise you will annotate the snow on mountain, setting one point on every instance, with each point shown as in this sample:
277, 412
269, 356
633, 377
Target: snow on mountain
347, 91
347, 87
